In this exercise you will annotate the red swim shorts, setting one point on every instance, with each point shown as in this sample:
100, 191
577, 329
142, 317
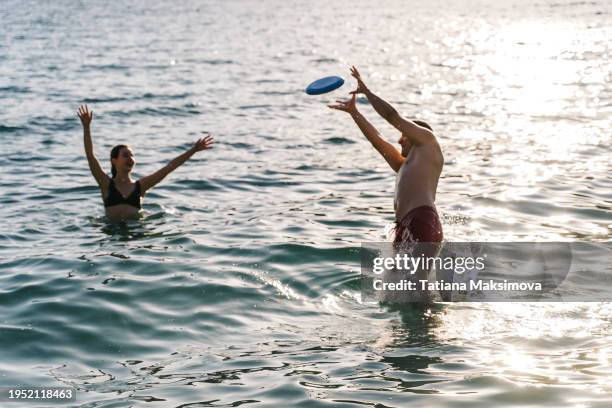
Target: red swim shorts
421, 224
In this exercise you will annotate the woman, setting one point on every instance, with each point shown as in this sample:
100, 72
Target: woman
122, 197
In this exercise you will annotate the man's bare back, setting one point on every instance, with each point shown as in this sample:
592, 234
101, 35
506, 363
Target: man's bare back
417, 179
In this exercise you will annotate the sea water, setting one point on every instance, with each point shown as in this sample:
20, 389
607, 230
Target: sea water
240, 283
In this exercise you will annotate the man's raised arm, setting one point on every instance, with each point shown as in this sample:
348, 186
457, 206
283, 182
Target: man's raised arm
386, 149
416, 134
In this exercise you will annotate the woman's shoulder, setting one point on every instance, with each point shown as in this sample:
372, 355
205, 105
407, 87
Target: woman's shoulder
138, 187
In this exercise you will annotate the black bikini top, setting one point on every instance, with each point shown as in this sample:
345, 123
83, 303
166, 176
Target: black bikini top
114, 197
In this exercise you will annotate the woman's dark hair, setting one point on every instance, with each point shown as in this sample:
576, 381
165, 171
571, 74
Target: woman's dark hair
114, 154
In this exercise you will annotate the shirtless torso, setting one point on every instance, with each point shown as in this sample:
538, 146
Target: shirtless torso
417, 179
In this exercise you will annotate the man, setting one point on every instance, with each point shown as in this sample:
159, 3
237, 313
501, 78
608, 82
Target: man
418, 166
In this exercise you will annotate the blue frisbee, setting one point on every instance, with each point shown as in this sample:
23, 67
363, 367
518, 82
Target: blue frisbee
324, 85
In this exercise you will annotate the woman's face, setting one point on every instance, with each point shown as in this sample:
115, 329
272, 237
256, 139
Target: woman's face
125, 160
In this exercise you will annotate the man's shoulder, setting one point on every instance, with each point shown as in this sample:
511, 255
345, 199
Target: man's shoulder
431, 145
431, 149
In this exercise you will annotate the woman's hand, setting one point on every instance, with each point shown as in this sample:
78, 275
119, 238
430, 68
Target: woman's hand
345, 106
85, 115
203, 144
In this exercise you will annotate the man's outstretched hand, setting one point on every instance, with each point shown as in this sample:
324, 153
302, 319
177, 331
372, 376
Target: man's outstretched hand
345, 106
361, 87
